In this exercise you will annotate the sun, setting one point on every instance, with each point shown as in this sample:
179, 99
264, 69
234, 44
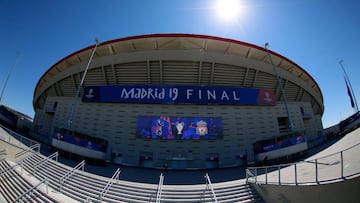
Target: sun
228, 9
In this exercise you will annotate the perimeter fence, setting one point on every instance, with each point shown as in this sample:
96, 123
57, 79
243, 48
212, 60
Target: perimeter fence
334, 167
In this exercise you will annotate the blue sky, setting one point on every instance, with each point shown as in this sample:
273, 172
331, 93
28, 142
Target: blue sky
315, 34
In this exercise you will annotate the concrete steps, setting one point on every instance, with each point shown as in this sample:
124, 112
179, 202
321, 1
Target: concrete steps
86, 187
13, 185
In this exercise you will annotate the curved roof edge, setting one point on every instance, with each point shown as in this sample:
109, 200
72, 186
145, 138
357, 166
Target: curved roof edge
201, 36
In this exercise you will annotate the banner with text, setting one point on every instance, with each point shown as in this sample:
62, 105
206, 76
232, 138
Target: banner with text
178, 95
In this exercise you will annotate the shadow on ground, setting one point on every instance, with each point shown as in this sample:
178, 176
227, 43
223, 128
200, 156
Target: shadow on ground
178, 177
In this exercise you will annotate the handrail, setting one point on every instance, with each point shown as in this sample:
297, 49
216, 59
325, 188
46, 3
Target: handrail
27, 145
109, 184
7, 169
208, 184
43, 161
27, 157
159, 190
248, 174
70, 173
19, 163
32, 190
29, 149
335, 160
23, 140
346, 149
3, 152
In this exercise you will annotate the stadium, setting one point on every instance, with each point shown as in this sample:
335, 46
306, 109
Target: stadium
185, 102
180, 101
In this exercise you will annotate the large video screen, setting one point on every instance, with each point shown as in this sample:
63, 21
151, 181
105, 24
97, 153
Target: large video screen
179, 128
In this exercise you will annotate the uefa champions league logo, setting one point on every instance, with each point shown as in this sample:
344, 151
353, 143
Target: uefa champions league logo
90, 93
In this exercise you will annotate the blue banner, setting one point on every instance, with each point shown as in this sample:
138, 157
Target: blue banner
162, 94
271, 145
82, 140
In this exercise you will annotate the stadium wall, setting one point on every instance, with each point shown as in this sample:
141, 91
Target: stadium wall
242, 126
183, 60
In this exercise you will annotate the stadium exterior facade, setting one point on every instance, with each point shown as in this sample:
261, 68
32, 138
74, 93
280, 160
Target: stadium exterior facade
184, 100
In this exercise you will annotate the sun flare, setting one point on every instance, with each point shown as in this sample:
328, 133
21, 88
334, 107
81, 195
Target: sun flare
228, 9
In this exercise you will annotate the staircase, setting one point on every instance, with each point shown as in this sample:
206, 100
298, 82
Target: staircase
13, 186
86, 187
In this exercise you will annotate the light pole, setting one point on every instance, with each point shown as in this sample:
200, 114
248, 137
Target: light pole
280, 85
80, 85
8, 76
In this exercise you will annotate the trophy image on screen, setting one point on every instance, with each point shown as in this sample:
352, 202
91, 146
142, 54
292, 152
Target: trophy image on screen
179, 127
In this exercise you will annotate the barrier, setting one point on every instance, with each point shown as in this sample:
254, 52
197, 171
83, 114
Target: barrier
32, 190
330, 168
19, 163
44, 161
30, 149
19, 140
159, 190
109, 184
70, 173
8, 169
210, 186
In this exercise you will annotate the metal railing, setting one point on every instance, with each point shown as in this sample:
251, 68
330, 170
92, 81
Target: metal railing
70, 173
3, 152
21, 161
210, 187
16, 139
18, 163
330, 168
29, 149
44, 161
7, 169
109, 184
159, 189
28, 194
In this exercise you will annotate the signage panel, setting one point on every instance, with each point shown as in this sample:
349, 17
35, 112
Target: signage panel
165, 94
